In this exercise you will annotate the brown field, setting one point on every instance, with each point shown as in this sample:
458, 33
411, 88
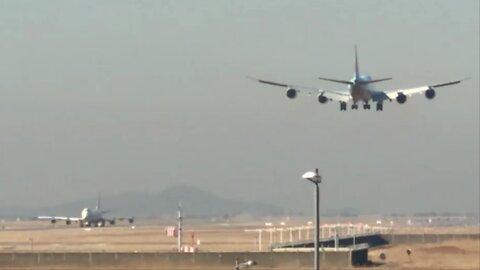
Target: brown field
143, 238
463, 254
42, 237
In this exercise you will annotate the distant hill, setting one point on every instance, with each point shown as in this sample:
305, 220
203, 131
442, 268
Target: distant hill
195, 203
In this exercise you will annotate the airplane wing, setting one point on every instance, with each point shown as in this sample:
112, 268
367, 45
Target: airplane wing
113, 220
58, 218
329, 94
130, 219
392, 94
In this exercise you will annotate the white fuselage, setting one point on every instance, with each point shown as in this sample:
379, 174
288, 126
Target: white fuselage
90, 216
361, 91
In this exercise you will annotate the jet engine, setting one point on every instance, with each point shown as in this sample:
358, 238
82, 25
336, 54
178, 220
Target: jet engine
430, 93
112, 222
53, 221
291, 93
401, 98
68, 221
130, 220
322, 99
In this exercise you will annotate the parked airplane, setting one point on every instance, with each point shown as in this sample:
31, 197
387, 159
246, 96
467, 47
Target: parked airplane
88, 217
361, 89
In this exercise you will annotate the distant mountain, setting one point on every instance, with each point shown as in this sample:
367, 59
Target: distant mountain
195, 203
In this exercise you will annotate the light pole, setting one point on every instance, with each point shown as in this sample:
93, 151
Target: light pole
315, 178
179, 228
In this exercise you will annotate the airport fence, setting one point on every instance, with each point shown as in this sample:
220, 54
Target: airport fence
427, 238
208, 260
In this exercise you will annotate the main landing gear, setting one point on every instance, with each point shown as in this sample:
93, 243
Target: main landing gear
343, 106
366, 106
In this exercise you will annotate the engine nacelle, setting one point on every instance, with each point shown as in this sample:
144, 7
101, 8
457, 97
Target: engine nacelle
291, 93
53, 221
401, 98
430, 93
130, 220
322, 99
68, 222
112, 222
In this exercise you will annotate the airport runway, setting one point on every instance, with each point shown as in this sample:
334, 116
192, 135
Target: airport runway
32, 237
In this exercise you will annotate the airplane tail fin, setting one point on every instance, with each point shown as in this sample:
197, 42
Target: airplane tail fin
357, 71
357, 75
98, 202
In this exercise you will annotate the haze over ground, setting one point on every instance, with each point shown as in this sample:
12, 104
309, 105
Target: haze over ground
118, 96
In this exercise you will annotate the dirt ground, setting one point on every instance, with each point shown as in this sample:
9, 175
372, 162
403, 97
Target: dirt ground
464, 254
37, 236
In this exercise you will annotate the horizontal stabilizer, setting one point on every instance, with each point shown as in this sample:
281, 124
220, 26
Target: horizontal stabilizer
375, 81
337, 81
268, 82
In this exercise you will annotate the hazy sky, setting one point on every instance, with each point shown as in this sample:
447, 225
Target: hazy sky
118, 96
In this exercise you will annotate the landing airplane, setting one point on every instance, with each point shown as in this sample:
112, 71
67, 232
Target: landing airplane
361, 89
88, 218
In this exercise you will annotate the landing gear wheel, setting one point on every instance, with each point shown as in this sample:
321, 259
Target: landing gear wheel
354, 106
366, 106
379, 107
343, 106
